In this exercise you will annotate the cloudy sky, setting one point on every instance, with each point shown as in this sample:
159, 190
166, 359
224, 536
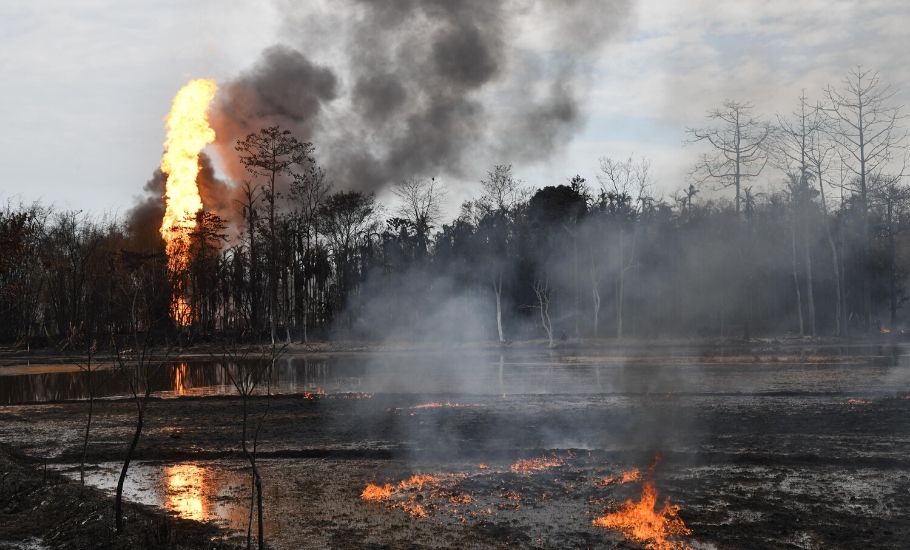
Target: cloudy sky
84, 86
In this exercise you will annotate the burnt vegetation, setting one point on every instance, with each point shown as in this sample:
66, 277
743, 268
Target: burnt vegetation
298, 258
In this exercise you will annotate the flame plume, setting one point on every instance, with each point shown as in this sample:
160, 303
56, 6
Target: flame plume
188, 132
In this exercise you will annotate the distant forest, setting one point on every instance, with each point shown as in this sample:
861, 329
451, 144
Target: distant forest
824, 253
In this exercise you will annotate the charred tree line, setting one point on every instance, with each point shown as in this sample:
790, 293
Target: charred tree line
823, 252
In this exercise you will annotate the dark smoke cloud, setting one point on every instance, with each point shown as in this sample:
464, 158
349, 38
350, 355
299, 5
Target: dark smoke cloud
393, 89
283, 88
422, 87
217, 195
143, 221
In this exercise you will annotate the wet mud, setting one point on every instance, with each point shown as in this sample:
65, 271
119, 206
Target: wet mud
816, 459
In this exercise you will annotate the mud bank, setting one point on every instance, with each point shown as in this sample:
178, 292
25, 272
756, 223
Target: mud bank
804, 468
42, 509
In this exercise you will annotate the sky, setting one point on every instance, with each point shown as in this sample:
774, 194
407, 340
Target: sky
85, 86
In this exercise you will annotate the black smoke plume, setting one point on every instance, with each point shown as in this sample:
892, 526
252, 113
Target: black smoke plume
394, 89
422, 88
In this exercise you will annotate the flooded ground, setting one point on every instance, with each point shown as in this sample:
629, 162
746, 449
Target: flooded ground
758, 452
857, 370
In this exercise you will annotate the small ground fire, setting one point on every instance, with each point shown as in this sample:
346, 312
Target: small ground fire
456, 494
641, 521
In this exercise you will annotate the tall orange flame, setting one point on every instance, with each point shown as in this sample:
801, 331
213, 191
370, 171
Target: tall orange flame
188, 132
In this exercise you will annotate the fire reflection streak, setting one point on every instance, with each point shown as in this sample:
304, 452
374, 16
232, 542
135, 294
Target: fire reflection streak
185, 491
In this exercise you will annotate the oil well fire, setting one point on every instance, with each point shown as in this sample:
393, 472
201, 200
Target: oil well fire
434, 274
188, 132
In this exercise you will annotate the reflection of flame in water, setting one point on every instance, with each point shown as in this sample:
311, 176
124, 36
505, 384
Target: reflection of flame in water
185, 483
179, 379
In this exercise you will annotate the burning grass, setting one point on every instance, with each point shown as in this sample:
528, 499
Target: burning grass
530, 465
376, 493
318, 392
642, 522
479, 495
407, 495
417, 481
626, 477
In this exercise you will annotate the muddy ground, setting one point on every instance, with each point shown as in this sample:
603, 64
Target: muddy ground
40, 508
800, 469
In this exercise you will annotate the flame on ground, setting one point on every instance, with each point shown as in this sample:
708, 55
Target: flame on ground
626, 477
414, 509
188, 132
403, 494
528, 465
642, 522
376, 493
423, 496
319, 392
417, 481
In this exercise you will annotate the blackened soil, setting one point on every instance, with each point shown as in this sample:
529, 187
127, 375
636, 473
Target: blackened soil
42, 509
783, 470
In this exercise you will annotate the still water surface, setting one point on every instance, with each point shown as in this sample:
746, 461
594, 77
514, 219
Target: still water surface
492, 374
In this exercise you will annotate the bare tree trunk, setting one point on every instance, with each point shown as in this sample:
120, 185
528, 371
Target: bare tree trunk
290, 294
810, 296
256, 476
545, 319
864, 267
497, 289
577, 284
306, 309
619, 299
838, 283
246, 453
541, 289
88, 423
118, 498
250, 197
892, 251
620, 284
260, 531
799, 301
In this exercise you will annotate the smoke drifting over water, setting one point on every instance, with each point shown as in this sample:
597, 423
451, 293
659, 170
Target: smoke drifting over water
389, 90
